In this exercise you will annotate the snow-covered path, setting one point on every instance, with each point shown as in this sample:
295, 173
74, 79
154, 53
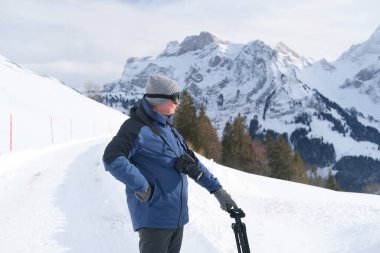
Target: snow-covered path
60, 199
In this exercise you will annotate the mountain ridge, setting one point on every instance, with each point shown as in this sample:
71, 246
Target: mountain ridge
274, 86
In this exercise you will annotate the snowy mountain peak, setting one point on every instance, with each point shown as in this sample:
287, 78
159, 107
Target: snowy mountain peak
190, 43
257, 49
375, 37
283, 48
290, 56
368, 50
327, 66
171, 49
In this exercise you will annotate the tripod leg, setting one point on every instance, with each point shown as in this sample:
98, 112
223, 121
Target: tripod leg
235, 229
241, 238
245, 244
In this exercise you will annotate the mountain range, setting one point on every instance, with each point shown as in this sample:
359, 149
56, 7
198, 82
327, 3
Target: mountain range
57, 197
326, 110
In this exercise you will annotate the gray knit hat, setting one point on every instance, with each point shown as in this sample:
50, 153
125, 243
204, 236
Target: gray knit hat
160, 85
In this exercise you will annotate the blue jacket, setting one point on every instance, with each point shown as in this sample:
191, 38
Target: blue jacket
144, 152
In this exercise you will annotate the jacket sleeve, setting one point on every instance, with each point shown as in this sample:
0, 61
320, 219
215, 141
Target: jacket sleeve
117, 158
124, 171
208, 180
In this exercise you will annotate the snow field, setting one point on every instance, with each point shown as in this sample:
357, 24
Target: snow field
60, 199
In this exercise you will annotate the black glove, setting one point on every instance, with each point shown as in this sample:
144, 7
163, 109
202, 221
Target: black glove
192, 155
144, 196
225, 200
186, 164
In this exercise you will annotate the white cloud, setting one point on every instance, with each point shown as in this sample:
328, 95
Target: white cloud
41, 32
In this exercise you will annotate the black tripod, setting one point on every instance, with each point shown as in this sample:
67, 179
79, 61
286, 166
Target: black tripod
239, 230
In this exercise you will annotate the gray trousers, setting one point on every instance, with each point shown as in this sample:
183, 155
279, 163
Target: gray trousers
157, 240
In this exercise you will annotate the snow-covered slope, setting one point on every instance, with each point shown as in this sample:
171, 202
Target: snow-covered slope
60, 199
45, 111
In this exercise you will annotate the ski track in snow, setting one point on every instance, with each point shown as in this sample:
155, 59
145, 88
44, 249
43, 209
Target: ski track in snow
60, 199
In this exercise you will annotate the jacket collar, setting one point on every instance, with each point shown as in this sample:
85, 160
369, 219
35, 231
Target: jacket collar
156, 115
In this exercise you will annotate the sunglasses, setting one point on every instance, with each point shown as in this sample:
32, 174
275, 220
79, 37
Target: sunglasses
174, 97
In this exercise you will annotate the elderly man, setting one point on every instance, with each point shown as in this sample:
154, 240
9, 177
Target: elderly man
152, 159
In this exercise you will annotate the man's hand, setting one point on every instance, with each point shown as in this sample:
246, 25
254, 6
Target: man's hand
225, 200
186, 164
144, 196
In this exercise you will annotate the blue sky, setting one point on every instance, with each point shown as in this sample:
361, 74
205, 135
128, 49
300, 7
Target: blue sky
90, 40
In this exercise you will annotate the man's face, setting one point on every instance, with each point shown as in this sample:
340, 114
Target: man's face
167, 108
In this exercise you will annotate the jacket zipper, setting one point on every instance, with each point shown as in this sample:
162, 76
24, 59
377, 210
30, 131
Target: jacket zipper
170, 148
180, 210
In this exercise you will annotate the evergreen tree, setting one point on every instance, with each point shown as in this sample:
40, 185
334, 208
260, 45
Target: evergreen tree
269, 146
227, 145
208, 143
260, 160
242, 145
331, 183
237, 148
298, 169
282, 163
186, 119
280, 159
